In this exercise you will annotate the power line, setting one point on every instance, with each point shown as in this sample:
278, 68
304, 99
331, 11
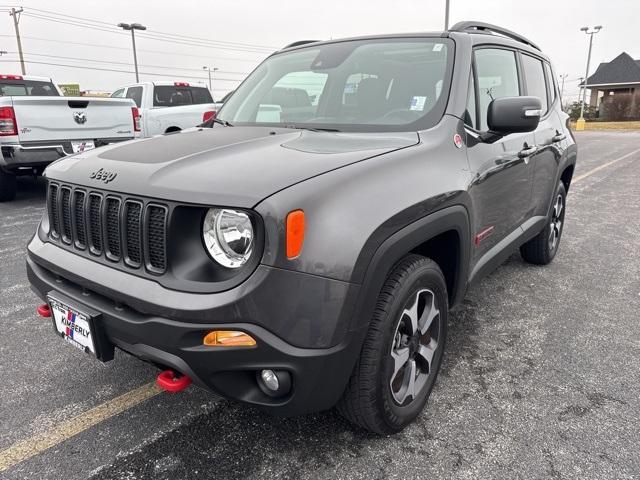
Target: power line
151, 36
127, 64
84, 19
162, 52
235, 80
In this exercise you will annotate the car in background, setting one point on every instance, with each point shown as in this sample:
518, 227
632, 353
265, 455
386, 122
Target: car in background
167, 107
38, 125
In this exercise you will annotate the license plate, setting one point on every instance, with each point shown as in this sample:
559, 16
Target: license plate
73, 325
82, 146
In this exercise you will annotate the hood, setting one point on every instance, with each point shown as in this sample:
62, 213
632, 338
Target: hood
226, 166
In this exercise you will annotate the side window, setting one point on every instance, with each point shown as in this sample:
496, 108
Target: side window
118, 93
470, 112
497, 76
534, 76
136, 94
551, 83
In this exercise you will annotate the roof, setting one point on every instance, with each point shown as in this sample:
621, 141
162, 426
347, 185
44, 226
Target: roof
622, 69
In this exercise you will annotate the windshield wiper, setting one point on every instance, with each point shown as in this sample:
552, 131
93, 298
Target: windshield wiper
221, 122
313, 129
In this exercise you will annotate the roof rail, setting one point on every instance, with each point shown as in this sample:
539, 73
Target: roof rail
487, 27
299, 42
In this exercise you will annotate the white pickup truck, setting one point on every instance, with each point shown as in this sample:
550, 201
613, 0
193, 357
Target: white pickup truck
169, 106
38, 125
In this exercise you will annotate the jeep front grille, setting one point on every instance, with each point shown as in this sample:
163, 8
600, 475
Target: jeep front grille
123, 230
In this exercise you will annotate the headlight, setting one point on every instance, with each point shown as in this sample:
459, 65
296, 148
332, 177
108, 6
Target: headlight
228, 236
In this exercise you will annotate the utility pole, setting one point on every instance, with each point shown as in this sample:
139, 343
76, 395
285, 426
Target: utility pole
16, 19
446, 16
562, 77
133, 27
209, 69
591, 32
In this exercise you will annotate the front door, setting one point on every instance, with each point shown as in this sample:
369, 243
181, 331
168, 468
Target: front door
502, 171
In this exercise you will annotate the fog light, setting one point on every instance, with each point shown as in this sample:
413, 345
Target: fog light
270, 380
274, 383
228, 338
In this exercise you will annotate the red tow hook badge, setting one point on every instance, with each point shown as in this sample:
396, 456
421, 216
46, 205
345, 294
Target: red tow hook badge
172, 382
44, 310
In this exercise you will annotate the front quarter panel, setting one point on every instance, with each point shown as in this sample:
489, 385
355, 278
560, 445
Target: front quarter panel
350, 211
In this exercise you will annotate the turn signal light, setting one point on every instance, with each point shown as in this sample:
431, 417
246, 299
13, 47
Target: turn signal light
228, 338
295, 233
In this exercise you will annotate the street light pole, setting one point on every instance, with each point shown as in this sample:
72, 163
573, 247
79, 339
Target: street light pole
209, 69
446, 15
133, 27
591, 32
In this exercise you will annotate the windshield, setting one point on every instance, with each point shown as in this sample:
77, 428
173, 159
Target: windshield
360, 85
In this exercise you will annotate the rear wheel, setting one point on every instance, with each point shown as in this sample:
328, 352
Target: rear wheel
403, 350
7, 186
542, 248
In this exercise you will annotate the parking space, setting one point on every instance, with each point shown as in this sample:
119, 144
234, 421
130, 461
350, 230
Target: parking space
540, 379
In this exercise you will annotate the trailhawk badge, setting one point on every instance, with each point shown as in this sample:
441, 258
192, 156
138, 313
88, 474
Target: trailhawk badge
80, 118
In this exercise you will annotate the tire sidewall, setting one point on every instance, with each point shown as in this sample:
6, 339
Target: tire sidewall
560, 190
425, 276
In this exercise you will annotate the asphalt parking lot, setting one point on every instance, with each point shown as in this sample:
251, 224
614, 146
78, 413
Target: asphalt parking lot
541, 378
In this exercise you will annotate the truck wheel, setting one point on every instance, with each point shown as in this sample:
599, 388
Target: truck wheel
402, 352
541, 249
7, 186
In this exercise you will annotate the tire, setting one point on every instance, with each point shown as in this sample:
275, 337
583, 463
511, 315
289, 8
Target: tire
542, 248
377, 397
7, 186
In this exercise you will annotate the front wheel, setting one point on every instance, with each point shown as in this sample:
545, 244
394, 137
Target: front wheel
542, 248
403, 350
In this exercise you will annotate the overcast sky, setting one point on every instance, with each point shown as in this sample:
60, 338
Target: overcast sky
253, 28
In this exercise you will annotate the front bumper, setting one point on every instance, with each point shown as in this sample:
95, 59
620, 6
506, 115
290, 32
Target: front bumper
166, 327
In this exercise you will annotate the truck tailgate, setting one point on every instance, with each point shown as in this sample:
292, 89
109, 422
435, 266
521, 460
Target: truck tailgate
73, 118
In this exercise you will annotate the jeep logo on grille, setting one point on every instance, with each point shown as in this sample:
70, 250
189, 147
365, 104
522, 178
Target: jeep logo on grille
103, 175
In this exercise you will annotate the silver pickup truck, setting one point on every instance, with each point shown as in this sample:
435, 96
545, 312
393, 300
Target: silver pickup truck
38, 125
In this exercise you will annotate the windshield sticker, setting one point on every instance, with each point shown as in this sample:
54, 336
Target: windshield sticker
437, 47
417, 103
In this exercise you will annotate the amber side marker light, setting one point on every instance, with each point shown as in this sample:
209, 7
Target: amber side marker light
228, 338
295, 233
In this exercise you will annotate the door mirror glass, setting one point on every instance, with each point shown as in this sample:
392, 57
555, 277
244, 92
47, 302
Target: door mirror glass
514, 115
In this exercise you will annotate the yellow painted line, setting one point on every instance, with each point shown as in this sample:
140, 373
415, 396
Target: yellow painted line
25, 449
603, 166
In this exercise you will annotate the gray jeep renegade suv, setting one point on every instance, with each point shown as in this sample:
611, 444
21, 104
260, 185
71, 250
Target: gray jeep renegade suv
304, 250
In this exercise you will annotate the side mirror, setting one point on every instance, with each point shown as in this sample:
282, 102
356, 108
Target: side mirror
513, 115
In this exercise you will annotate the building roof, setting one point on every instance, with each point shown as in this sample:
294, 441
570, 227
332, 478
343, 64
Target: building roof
622, 69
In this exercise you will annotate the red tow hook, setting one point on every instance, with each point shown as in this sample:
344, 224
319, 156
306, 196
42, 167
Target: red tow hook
44, 310
172, 382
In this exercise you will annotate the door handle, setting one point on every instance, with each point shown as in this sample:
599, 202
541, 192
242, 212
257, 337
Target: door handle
527, 151
558, 137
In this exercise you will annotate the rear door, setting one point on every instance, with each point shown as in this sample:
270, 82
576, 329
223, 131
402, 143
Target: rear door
501, 188
548, 136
